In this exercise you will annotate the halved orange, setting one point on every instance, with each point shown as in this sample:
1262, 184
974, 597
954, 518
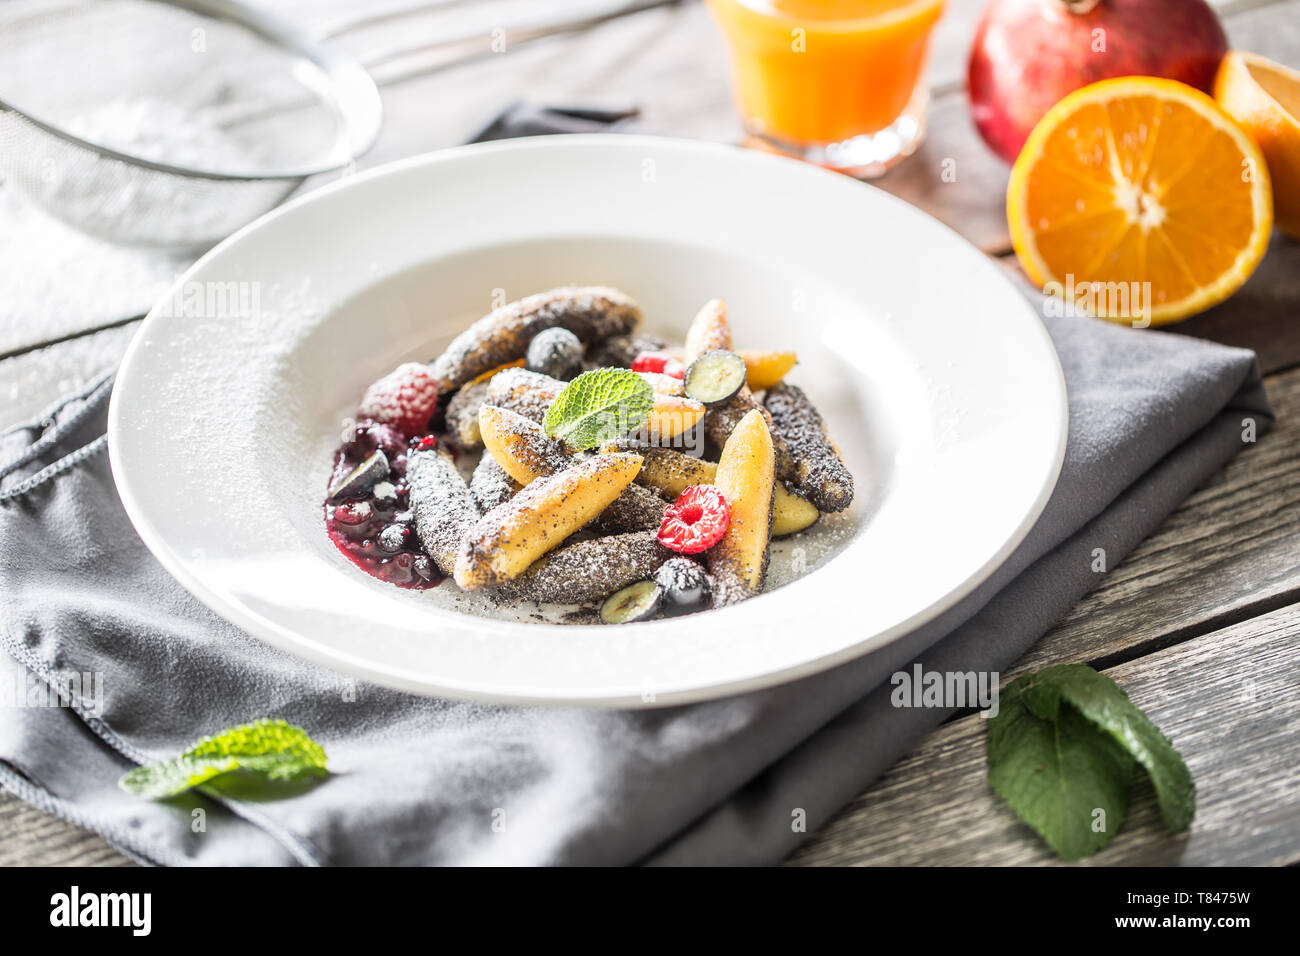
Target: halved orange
1140, 199
1264, 97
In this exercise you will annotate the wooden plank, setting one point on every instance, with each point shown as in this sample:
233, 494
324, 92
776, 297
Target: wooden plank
673, 64
1226, 700
1229, 552
57, 282
31, 837
972, 199
1267, 27
1262, 315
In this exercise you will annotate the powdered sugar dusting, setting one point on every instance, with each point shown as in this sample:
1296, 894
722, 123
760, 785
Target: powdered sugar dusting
589, 571
819, 473
523, 392
490, 485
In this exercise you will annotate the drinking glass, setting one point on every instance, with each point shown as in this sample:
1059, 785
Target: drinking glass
836, 82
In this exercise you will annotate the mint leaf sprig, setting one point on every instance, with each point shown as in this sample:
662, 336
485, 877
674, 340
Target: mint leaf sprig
598, 406
1062, 751
269, 749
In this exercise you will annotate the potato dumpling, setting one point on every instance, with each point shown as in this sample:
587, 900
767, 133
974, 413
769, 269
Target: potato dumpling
746, 476
513, 535
709, 330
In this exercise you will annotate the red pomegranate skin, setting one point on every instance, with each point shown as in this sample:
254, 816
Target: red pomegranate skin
1028, 54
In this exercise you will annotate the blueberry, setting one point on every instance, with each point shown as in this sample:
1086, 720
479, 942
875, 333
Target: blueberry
393, 538
636, 602
685, 585
385, 495
715, 377
555, 352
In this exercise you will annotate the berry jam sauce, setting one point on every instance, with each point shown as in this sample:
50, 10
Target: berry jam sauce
375, 529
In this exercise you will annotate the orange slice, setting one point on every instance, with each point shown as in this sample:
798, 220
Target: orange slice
1264, 97
1140, 200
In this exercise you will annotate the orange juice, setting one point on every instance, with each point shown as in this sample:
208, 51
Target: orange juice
824, 72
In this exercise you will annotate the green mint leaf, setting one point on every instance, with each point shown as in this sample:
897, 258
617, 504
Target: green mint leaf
1063, 747
272, 749
599, 406
1104, 703
1064, 777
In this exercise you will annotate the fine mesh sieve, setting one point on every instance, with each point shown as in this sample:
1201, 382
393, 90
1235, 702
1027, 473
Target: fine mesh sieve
175, 122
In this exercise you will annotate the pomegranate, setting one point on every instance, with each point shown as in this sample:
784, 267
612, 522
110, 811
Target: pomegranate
1028, 54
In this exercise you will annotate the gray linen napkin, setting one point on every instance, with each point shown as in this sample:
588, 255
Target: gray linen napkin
416, 780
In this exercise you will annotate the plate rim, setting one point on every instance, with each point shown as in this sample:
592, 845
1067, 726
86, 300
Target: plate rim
301, 646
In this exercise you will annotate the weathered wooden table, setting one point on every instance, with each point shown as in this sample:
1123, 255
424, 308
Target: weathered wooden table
1201, 624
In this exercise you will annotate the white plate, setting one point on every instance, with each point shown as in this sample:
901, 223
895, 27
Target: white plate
934, 373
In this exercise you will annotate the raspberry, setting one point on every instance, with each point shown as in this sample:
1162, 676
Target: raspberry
404, 398
696, 521
649, 362
658, 362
